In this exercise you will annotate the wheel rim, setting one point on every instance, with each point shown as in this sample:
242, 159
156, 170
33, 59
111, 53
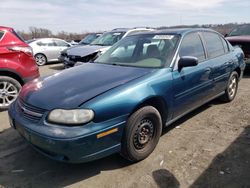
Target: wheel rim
8, 93
40, 59
143, 134
232, 87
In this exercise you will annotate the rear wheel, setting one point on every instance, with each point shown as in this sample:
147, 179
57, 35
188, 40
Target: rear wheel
40, 59
232, 88
9, 90
141, 134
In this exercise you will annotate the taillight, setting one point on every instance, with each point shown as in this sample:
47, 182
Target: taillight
25, 49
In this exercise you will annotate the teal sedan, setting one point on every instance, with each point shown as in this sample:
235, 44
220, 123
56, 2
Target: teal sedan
121, 102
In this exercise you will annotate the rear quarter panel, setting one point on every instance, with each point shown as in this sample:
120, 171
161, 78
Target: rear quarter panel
238, 60
16, 62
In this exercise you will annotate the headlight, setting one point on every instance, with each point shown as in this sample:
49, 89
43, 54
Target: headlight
74, 117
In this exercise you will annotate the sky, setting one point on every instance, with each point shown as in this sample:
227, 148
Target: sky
99, 15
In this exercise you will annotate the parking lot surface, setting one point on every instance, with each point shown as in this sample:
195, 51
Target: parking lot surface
209, 147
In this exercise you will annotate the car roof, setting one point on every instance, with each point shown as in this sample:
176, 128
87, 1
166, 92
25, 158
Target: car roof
130, 29
178, 31
119, 30
95, 33
244, 24
6, 28
48, 38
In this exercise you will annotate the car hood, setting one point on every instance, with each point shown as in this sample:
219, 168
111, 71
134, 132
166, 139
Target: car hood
85, 50
71, 47
70, 88
245, 38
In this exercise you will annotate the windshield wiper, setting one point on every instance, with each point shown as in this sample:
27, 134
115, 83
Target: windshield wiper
117, 64
101, 44
83, 43
114, 64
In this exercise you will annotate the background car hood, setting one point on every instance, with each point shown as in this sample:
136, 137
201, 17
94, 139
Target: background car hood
84, 50
70, 88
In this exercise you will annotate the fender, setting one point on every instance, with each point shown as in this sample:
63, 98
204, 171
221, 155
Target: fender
12, 73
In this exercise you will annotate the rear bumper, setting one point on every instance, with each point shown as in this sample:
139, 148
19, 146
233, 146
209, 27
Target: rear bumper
83, 148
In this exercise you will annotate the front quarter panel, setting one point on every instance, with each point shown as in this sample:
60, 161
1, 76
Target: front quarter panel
123, 100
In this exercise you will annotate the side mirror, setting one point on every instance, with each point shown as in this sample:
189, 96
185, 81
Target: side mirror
226, 35
187, 61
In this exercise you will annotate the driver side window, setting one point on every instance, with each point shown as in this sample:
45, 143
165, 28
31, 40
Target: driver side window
192, 46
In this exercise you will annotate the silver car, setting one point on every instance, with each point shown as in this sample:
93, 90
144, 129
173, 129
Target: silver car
47, 49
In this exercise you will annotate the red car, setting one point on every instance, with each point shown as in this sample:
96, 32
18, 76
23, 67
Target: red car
17, 65
240, 36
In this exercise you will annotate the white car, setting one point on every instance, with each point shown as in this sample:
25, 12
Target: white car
47, 49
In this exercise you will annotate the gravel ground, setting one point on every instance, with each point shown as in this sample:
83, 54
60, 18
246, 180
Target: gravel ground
208, 148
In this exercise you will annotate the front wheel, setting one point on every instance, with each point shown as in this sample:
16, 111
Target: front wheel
141, 134
232, 88
9, 90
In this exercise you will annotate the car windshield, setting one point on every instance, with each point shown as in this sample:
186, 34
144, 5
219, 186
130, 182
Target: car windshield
89, 38
108, 39
241, 30
148, 51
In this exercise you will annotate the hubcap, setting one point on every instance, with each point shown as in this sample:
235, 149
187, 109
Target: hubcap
232, 87
40, 59
8, 93
143, 134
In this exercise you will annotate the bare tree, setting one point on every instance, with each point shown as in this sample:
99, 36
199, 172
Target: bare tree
39, 32
35, 33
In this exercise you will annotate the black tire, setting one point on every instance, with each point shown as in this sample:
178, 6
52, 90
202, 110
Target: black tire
147, 121
232, 88
41, 59
9, 90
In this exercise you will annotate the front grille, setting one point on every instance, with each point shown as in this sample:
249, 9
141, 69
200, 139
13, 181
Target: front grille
64, 54
29, 111
87, 58
74, 58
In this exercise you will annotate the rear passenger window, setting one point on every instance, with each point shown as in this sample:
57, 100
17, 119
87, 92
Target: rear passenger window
192, 46
214, 44
40, 43
46, 43
61, 43
1, 35
51, 43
